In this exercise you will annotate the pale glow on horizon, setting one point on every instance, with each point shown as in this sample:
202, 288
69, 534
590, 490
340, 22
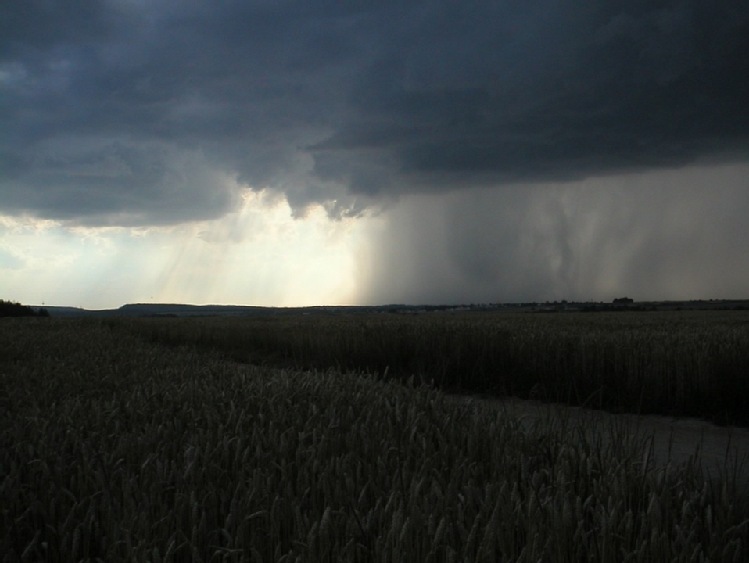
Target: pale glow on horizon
256, 255
670, 234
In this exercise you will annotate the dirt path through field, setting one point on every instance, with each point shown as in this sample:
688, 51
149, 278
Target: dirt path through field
675, 439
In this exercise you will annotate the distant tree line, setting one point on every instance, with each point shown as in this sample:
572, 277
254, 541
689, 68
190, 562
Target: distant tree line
12, 309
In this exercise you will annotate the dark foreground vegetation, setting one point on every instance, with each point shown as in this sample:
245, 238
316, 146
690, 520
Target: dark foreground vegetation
113, 448
687, 363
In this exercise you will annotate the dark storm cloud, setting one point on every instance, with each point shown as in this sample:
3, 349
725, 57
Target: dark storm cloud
539, 91
672, 234
147, 111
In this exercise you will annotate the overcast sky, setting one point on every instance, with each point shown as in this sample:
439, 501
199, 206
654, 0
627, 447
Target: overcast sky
287, 153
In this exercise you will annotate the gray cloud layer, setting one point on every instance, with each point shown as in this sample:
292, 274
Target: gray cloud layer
650, 236
139, 112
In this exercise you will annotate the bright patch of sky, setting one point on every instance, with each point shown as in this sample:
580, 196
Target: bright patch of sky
257, 255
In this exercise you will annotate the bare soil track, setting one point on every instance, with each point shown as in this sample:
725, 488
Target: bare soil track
720, 450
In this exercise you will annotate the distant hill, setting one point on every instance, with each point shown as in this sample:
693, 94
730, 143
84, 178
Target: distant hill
68, 312
183, 310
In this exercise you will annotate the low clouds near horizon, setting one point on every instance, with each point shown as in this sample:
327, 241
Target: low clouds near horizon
511, 148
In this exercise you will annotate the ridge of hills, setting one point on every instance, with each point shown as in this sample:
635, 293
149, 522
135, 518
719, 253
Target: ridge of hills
187, 310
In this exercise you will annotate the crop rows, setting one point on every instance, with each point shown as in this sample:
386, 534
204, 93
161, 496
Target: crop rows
115, 449
676, 363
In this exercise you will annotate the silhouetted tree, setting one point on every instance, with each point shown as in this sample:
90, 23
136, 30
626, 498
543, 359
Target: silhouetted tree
12, 309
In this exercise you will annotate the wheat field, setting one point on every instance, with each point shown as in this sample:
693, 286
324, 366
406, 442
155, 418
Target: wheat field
117, 447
